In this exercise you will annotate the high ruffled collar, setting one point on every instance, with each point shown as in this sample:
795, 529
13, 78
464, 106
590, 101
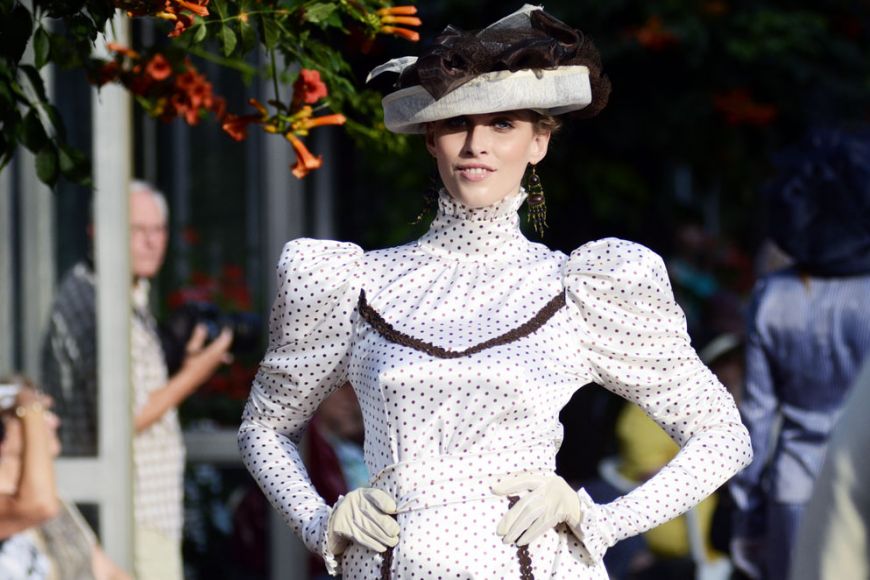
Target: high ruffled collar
463, 232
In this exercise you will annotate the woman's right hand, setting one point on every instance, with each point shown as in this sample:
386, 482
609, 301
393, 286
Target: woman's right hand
363, 516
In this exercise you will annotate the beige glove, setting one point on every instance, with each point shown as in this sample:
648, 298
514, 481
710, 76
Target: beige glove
362, 517
550, 501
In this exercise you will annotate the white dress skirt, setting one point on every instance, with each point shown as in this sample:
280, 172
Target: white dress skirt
462, 348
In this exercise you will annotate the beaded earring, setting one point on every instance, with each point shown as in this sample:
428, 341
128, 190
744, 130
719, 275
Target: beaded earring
537, 206
430, 198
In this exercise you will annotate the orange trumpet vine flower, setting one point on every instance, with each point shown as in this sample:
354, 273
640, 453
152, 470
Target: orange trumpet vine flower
197, 8
236, 126
403, 15
305, 160
122, 50
303, 121
158, 68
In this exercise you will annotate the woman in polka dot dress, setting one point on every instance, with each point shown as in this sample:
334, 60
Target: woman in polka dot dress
464, 345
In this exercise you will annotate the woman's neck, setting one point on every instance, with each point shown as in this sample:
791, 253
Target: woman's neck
463, 232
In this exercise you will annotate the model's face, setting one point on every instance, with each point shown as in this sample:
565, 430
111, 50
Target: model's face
482, 158
148, 235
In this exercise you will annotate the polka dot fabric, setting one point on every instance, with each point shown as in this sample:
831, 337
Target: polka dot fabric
440, 432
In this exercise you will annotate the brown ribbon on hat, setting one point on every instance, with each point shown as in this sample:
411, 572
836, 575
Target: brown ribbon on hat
457, 56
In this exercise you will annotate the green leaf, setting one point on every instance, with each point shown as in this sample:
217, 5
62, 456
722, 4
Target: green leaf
82, 28
271, 31
74, 165
100, 11
15, 31
35, 80
319, 12
220, 7
56, 120
249, 36
228, 37
46, 164
41, 47
201, 31
32, 134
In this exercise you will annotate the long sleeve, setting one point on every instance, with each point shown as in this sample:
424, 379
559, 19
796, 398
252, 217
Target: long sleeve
634, 336
309, 342
759, 408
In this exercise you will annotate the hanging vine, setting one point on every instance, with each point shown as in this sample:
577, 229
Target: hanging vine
298, 38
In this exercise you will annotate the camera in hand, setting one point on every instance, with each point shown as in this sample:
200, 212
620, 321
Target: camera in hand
176, 331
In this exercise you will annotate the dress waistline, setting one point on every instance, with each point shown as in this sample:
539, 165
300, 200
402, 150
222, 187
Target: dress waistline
449, 479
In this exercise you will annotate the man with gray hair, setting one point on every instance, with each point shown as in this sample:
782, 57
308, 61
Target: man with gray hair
69, 368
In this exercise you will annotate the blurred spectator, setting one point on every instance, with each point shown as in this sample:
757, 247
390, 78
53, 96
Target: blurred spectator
40, 537
834, 538
690, 268
69, 371
334, 457
809, 330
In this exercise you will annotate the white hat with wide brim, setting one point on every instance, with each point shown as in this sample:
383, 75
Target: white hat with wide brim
551, 91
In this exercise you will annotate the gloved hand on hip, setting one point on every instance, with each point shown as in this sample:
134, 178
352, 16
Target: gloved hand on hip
550, 501
363, 516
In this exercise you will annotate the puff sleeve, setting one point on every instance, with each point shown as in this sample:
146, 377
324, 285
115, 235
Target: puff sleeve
309, 342
634, 337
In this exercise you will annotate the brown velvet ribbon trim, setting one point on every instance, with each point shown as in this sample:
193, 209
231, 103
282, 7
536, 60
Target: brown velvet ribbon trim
523, 555
387, 330
457, 56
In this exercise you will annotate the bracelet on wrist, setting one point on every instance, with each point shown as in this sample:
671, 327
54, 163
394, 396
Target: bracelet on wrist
35, 407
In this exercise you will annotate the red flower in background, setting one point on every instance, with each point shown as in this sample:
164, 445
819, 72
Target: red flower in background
715, 8
158, 68
308, 88
739, 108
170, 90
190, 236
653, 35
234, 288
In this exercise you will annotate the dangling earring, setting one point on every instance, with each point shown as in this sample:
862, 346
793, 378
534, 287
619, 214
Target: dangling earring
430, 198
537, 206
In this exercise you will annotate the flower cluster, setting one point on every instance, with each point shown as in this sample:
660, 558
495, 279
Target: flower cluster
739, 108
166, 90
393, 19
293, 121
181, 12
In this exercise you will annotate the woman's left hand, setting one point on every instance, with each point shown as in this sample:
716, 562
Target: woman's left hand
549, 502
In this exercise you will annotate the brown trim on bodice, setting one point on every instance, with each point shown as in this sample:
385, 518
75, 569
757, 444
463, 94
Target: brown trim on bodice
387, 330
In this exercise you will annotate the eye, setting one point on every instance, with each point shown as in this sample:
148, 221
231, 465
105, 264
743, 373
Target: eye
456, 122
503, 123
